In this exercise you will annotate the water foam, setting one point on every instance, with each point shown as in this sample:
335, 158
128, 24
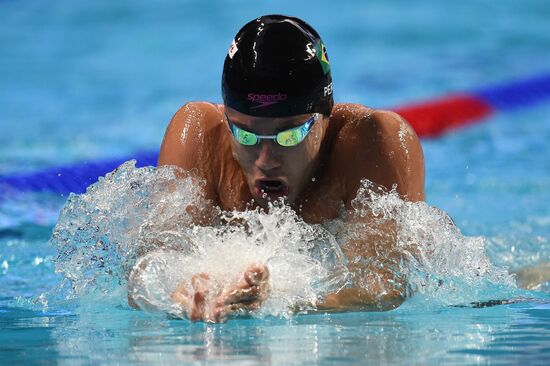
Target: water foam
131, 212
438, 261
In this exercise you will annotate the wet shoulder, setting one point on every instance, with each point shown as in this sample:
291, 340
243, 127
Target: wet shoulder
359, 124
200, 116
345, 115
190, 134
378, 145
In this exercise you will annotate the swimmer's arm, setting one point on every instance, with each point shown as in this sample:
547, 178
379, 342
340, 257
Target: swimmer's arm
354, 299
384, 296
377, 286
387, 151
187, 143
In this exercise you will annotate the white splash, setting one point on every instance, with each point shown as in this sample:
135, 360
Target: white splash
438, 261
131, 212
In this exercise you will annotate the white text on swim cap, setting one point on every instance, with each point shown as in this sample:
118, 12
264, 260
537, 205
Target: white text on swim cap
327, 90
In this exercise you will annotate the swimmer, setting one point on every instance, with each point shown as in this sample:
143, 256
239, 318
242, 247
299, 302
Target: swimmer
279, 136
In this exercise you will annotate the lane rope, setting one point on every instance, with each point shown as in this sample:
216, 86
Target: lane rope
429, 119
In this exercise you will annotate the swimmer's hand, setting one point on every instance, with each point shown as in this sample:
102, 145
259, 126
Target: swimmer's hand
205, 299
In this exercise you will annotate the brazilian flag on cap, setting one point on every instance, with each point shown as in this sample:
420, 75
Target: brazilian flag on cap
321, 53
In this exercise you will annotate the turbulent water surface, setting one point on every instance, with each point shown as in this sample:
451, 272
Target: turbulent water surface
135, 212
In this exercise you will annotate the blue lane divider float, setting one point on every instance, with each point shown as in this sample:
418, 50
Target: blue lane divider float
70, 178
515, 94
429, 119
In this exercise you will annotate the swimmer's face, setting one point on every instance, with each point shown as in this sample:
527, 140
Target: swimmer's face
273, 171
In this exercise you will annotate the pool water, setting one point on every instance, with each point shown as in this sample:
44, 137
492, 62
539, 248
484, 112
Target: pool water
508, 335
86, 81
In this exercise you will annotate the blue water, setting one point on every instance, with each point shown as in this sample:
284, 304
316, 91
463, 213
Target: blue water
84, 81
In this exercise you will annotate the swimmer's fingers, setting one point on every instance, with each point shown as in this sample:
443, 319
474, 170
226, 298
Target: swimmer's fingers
199, 280
197, 308
235, 309
254, 287
222, 312
181, 296
183, 292
200, 283
240, 295
192, 296
238, 299
256, 274
241, 298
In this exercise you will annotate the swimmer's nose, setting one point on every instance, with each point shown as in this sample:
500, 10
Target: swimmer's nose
268, 158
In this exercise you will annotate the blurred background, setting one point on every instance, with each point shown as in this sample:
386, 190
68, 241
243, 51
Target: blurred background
85, 81
82, 81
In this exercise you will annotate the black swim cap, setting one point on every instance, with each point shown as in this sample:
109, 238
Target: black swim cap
277, 66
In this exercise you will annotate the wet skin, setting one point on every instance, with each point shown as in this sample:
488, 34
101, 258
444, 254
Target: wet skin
318, 178
323, 172
212, 302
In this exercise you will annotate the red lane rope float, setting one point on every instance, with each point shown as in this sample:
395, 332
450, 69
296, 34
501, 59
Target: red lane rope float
432, 118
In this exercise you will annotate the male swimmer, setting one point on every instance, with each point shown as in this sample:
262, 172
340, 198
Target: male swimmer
279, 135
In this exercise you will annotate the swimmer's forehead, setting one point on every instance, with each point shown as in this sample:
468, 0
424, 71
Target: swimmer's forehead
261, 124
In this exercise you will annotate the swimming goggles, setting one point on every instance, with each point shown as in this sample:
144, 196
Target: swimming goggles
287, 138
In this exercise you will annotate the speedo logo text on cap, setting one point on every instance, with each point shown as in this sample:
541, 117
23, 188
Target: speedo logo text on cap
265, 100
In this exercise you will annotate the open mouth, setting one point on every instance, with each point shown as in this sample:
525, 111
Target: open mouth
271, 188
